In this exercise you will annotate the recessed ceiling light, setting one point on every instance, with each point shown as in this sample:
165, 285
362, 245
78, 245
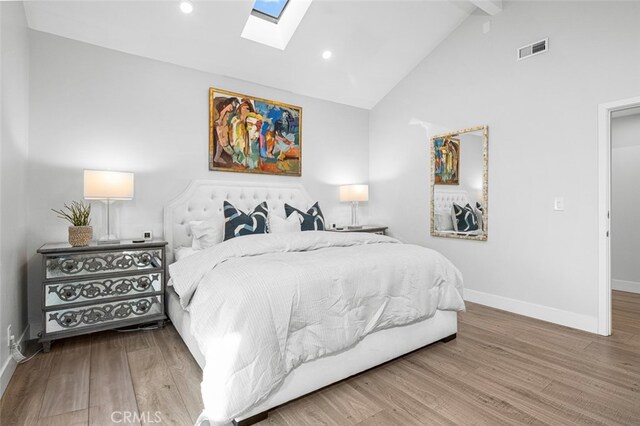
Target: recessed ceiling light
326, 54
186, 6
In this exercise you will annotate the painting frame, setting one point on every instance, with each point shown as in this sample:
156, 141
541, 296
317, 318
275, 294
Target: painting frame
269, 166
484, 129
441, 175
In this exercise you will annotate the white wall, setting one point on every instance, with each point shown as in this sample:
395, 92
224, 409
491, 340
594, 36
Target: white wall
625, 203
542, 117
14, 98
97, 108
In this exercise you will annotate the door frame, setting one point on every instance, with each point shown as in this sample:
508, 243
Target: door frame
604, 208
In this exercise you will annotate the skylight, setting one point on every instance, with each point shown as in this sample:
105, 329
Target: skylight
267, 30
270, 10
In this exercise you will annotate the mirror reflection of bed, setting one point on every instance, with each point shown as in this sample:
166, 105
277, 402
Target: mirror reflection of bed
459, 186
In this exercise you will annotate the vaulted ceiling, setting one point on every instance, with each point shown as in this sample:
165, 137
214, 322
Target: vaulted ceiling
374, 43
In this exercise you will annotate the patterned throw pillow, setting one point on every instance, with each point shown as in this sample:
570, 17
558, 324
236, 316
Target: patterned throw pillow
480, 215
238, 223
464, 218
312, 220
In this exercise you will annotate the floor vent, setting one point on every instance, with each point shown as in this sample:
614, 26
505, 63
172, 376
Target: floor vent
533, 49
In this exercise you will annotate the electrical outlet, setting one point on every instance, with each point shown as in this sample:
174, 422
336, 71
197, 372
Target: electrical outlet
10, 336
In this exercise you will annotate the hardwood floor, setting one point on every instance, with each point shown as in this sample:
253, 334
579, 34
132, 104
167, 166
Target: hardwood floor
503, 369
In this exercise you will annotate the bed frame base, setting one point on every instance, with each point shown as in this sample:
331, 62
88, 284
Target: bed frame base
253, 419
265, 414
447, 339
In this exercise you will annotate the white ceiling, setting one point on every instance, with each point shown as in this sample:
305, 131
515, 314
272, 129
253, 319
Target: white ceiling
374, 43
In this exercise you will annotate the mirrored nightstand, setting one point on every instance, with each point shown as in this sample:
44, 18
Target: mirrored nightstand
100, 287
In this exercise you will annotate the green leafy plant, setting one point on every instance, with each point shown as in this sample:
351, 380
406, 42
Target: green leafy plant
78, 213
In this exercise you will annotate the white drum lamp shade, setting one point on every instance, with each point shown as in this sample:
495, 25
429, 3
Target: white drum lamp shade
354, 193
108, 185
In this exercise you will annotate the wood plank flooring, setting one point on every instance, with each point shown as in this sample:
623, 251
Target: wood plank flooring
503, 369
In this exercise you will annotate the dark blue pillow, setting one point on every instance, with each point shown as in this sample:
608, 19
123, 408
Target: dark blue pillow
312, 220
465, 219
238, 223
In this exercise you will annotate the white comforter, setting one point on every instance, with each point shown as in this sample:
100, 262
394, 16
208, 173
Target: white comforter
261, 305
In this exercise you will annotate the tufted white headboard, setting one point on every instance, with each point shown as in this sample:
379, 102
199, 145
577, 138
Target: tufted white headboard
204, 197
444, 198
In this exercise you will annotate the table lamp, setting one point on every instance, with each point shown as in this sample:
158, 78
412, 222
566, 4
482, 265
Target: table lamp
108, 187
354, 194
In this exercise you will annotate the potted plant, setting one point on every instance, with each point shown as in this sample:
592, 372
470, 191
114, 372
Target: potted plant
78, 214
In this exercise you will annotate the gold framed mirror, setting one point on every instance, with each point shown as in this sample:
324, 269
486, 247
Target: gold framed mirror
460, 184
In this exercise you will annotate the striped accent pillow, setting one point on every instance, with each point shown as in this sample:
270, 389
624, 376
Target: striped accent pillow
238, 223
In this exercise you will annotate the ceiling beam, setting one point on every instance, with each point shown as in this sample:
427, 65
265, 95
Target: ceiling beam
490, 7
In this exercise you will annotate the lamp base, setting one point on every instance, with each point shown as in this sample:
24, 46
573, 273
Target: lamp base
354, 216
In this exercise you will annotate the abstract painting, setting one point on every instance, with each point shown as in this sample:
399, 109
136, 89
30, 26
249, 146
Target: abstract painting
447, 160
252, 135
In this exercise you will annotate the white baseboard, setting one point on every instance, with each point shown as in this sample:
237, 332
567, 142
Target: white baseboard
10, 366
628, 286
544, 313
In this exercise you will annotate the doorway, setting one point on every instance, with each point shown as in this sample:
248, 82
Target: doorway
607, 112
625, 212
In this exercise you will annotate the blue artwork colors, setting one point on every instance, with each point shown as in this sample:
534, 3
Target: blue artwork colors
253, 135
446, 160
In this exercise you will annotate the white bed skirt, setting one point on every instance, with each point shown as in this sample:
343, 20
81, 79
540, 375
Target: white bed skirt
373, 350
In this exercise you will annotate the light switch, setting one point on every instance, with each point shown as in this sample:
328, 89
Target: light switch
486, 27
558, 204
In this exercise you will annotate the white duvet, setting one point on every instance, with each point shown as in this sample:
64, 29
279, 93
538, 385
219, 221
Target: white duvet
263, 304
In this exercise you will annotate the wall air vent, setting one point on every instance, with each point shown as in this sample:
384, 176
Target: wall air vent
533, 49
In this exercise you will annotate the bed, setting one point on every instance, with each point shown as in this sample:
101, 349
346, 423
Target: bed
204, 198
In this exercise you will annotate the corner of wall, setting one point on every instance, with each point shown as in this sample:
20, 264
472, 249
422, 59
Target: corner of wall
10, 365
545, 313
14, 112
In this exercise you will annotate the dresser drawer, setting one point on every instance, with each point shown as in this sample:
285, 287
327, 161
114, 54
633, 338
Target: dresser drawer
65, 266
70, 319
66, 293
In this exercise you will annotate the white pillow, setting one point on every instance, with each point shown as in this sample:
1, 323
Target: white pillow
207, 233
182, 252
278, 225
444, 221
